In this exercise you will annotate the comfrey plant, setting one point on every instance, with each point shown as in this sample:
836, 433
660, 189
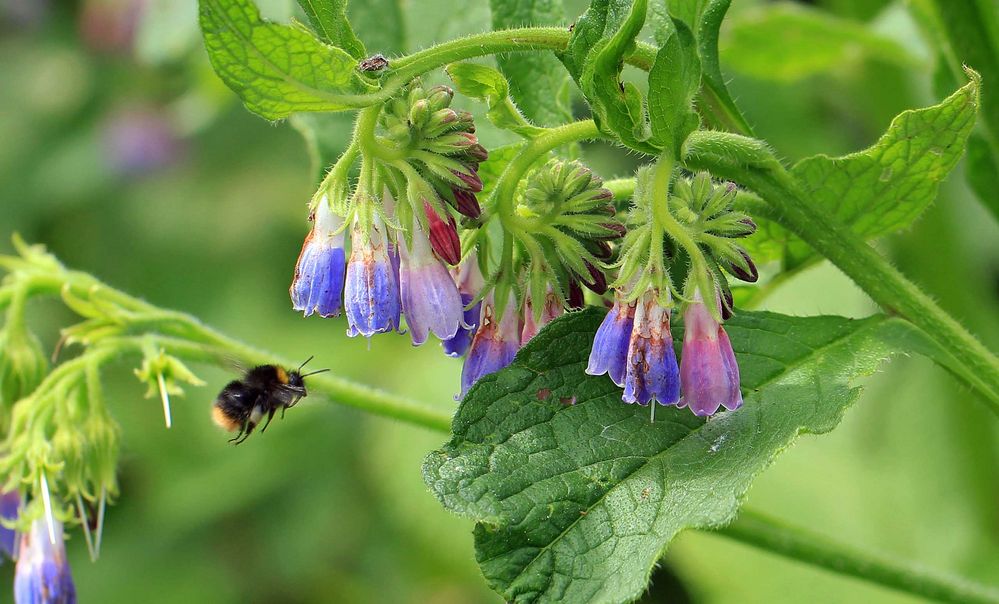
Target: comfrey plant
544, 277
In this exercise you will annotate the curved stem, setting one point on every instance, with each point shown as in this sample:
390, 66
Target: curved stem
798, 544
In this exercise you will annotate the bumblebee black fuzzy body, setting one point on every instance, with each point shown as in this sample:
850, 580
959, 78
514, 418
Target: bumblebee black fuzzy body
264, 390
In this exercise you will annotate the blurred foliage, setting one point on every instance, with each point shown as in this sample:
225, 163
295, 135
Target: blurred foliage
128, 158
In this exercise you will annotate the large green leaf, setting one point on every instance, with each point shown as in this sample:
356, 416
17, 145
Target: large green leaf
329, 18
277, 69
538, 83
577, 494
885, 187
787, 42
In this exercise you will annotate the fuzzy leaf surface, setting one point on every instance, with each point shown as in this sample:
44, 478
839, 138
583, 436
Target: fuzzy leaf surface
277, 69
577, 494
538, 82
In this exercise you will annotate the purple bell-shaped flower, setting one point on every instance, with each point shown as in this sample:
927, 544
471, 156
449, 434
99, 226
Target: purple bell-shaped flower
652, 373
469, 280
371, 292
430, 298
10, 506
551, 310
709, 374
494, 345
42, 575
610, 345
318, 282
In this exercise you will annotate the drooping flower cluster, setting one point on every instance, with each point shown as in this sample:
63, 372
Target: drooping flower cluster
403, 227
634, 345
560, 238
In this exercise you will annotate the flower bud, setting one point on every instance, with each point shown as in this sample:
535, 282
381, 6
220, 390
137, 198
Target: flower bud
576, 300
597, 282
466, 203
747, 273
470, 178
23, 366
439, 97
443, 236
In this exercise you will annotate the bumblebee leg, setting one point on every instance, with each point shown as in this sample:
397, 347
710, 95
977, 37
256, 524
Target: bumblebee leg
242, 430
270, 416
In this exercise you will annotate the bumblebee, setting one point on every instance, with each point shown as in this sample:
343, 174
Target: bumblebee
243, 403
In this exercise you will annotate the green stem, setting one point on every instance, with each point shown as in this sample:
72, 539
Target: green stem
888, 287
205, 344
797, 544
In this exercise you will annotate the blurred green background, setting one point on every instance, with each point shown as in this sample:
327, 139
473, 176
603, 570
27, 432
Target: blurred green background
126, 156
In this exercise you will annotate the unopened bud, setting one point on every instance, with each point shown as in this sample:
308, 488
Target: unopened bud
471, 179
575, 295
466, 203
598, 282
443, 236
747, 273
439, 97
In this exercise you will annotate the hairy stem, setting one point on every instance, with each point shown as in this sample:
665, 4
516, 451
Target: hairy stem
774, 536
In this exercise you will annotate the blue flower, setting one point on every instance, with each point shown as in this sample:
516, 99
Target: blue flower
430, 298
318, 282
709, 374
652, 372
470, 281
371, 292
43, 575
610, 345
494, 345
10, 504
458, 345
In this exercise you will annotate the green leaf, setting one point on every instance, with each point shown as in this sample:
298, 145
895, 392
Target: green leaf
601, 19
329, 18
538, 83
704, 19
968, 34
887, 186
673, 82
787, 42
577, 494
487, 84
618, 107
883, 188
277, 69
